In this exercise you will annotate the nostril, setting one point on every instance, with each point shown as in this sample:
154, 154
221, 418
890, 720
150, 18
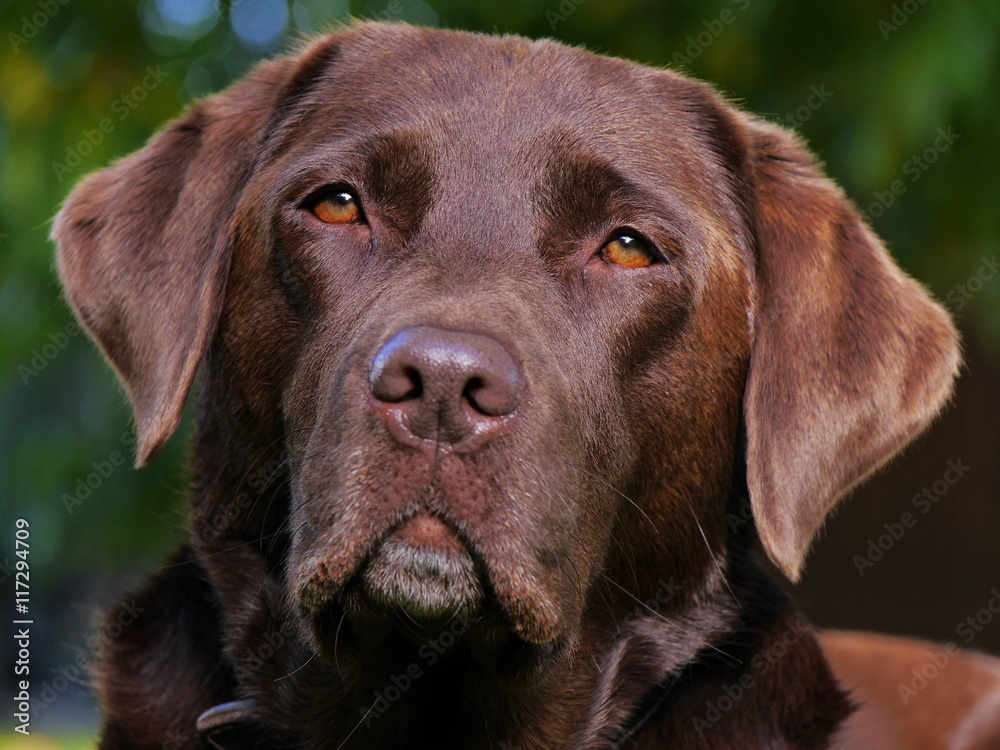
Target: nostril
413, 374
469, 394
444, 385
494, 395
392, 381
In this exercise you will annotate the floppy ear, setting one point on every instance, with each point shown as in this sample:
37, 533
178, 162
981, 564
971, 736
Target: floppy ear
144, 245
851, 358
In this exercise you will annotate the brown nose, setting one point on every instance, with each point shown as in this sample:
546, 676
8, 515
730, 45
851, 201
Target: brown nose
452, 387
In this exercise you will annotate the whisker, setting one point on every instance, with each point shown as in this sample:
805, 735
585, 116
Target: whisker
206, 556
336, 642
711, 552
298, 668
264, 452
482, 710
619, 492
670, 622
572, 565
351, 733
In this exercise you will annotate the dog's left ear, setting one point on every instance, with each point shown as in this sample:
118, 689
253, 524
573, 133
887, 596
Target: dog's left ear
144, 245
851, 358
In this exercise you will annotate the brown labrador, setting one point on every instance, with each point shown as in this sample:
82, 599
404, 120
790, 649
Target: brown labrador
494, 336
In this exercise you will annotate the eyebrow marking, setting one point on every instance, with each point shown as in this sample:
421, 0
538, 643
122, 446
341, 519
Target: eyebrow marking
581, 191
583, 194
398, 175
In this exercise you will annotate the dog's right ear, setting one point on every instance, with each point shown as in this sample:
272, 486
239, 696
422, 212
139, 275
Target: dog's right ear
144, 245
851, 358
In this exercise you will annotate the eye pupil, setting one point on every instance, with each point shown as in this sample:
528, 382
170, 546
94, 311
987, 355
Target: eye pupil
337, 207
628, 250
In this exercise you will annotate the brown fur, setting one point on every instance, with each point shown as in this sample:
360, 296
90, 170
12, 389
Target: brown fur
774, 349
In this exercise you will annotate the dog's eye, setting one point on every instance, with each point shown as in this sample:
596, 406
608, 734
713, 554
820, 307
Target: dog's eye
337, 207
629, 250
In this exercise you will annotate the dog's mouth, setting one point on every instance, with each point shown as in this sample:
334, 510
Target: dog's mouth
422, 583
423, 570
406, 549
422, 578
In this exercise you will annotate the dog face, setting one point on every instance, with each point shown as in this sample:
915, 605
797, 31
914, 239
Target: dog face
501, 311
520, 316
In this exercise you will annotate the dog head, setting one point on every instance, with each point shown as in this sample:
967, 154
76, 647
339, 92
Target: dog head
520, 317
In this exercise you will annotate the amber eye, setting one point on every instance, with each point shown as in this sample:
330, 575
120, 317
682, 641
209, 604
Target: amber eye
337, 207
628, 250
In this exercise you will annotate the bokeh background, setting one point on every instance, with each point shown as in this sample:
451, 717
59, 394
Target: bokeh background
898, 98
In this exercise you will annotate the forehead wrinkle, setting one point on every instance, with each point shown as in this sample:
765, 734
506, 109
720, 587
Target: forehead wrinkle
582, 183
399, 176
580, 191
393, 169
482, 111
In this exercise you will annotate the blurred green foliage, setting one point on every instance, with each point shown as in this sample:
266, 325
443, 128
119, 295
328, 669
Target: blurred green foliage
870, 84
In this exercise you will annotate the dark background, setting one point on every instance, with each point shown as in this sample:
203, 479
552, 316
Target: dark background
872, 85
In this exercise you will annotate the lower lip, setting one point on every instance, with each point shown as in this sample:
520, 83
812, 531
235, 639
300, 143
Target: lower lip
428, 532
